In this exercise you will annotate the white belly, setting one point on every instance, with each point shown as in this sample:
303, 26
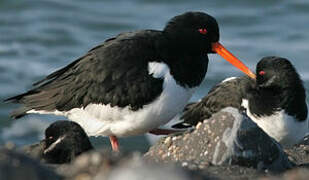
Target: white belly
99, 119
283, 128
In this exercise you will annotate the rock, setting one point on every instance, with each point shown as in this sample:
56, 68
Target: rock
138, 169
299, 154
105, 165
230, 172
227, 146
34, 150
89, 165
299, 174
228, 138
15, 166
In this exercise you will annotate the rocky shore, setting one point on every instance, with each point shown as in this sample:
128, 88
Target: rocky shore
227, 146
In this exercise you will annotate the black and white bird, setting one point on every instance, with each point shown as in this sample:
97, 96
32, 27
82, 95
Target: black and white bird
64, 140
276, 101
132, 83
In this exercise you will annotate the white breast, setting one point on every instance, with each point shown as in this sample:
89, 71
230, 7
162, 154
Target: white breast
98, 119
282, 127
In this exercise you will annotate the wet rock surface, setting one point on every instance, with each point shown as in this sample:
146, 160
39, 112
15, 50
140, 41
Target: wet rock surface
15, 165
228, 138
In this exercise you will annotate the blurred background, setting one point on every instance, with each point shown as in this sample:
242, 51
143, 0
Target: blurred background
39, 36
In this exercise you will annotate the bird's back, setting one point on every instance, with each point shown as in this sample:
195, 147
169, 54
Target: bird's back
228, 93
107, 74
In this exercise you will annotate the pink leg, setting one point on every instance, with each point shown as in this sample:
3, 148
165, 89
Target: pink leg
114, 143
164, 131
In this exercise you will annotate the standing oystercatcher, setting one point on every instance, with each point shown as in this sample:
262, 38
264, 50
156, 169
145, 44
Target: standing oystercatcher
276, 101
132, 83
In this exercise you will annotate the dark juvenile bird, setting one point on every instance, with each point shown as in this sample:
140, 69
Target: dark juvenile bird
64, 140
276, 101
132, 83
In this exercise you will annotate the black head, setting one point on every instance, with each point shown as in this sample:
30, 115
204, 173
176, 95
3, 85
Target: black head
278, 86
193, 30
196, 34
63, 141
276, 73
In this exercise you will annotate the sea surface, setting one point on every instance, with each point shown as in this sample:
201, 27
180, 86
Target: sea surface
39, 36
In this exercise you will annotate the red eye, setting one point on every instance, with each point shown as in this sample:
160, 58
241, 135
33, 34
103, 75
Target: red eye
202, 30
262, 73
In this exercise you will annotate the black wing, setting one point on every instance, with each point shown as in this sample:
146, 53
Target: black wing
226, 94
114, 73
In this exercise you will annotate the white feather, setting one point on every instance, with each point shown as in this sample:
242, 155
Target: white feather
54, 144
99, 119
158, 70
283, 128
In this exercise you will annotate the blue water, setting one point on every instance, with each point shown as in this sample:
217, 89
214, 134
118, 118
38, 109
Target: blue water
38, 37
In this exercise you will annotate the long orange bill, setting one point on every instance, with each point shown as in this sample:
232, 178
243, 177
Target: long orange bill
220, 49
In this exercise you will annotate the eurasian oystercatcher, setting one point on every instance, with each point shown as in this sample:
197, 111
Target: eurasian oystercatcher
132, 83
64, 140
276, 101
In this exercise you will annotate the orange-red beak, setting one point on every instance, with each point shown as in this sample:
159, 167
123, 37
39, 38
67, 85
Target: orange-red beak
219, 49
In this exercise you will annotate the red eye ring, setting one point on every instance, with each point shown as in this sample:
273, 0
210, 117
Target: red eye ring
262, 73
203, 31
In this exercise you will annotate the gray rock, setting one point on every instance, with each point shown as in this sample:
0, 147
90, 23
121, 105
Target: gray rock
89, 164
104, 165
15, 166
228, 138
299, 174
34, 150
138, 169
299, 154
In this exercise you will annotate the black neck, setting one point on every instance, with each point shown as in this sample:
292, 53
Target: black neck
188, 67
191, 72
266, 101
295, 103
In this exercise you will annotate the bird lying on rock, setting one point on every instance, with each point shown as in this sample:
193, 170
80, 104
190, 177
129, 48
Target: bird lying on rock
275, 101
132, 83
64, 140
